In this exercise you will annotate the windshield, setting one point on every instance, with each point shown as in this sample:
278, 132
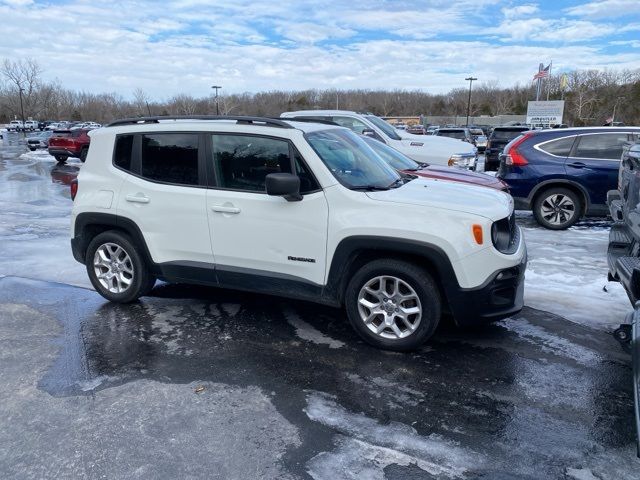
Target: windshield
351, 160
393, 157
388, 130
459, 134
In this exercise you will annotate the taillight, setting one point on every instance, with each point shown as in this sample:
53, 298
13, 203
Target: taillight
513, 156
74, 188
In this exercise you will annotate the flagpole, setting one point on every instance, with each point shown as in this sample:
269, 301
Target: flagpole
549, 80
540, 67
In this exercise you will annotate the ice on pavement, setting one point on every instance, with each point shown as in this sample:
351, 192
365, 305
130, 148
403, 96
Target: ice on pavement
309, 333
366, 446
35, 220
567, 271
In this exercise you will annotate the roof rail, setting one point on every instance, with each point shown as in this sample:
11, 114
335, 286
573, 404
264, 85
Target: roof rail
311, 120
270, 122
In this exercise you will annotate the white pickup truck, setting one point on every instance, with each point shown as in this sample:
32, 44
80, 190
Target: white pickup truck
15, 126
421, 148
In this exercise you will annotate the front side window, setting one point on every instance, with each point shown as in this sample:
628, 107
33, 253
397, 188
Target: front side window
352, 124
242, 162
351, 160
386, 127
560, 147
170, 158
604, 146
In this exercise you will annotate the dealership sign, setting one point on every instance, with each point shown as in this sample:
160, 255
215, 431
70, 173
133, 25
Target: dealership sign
545, 113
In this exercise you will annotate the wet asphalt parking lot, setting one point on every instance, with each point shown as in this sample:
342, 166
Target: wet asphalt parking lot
196, 382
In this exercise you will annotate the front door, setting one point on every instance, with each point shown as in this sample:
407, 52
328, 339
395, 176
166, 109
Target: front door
263, 242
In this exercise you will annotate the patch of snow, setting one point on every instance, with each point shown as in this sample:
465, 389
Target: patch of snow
370, 446
550, 343
581, 474
567, 273
308, 333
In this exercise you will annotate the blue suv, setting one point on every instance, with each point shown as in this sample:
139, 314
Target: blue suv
563, 174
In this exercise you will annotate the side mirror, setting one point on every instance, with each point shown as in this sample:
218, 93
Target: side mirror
283, 185
368, 132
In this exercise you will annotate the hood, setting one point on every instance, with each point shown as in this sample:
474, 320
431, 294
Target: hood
459, 175
461, 197
436, 142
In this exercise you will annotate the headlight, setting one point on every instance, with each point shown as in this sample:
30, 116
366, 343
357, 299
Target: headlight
458, 160
504, 234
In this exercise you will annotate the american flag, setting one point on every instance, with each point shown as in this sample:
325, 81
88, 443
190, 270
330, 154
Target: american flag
544, 73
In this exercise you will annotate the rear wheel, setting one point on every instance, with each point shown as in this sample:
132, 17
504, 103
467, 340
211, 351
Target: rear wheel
557, 208
61, 158
116, 269
393, 304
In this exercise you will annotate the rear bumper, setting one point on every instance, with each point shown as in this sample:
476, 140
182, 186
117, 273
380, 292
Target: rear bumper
63, 151
501, 296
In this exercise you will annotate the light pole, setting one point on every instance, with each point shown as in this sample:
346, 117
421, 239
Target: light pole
20, 90
217, 87
471, 80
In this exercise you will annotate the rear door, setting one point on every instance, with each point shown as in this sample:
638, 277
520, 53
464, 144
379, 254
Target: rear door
263, 242
594, 162
164, 194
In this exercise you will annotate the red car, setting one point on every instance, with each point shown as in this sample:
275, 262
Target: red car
404, 164
69, 143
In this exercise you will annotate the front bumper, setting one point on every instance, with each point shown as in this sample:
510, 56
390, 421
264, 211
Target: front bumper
501, 296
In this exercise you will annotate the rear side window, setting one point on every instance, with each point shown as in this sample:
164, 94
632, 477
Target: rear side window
560, 147
170, 158
122, 152
604, 146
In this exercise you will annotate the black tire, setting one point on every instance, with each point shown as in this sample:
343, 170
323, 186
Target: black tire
83, 154
61, 158
416, 278
32, 149
557, 208
142, 280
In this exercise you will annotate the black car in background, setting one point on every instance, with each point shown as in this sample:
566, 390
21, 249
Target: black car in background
459, 133
623, 257
498, 139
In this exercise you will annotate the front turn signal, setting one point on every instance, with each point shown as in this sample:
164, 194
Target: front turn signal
477, 233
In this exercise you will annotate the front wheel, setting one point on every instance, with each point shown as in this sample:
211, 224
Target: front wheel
116, 269
83, 154
61, 158
393, 304
557, 208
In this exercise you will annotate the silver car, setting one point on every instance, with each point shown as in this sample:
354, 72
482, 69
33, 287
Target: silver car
39, 140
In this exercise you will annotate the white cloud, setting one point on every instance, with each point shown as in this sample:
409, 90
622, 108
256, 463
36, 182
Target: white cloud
520, 11
606, 9
243, 45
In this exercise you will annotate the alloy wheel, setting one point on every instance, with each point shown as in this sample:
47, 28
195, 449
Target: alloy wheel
113, 267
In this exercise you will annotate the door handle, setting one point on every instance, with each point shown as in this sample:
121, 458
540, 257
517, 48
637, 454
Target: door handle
225, 209
137, 198
576, 165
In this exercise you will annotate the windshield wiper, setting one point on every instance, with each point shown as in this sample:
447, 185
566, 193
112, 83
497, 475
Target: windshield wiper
397, 183
422, 165
369, 188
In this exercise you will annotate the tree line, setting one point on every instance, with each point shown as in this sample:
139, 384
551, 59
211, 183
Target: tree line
591, 96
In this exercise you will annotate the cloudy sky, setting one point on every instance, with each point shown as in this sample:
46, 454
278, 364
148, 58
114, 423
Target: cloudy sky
185, 46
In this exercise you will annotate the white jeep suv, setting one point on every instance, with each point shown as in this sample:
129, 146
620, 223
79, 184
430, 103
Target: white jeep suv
296, 209
421, 148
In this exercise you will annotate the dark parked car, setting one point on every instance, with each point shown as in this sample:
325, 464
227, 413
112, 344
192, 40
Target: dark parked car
498, 139
459, 133
69, 143
624, 258
563, 174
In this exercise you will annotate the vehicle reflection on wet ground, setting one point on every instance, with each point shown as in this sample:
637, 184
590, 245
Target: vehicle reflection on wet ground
202, 382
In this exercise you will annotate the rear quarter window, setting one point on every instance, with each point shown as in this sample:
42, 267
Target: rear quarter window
560, 147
